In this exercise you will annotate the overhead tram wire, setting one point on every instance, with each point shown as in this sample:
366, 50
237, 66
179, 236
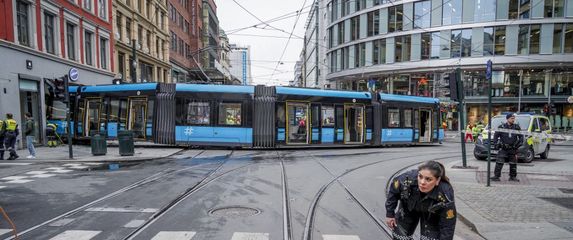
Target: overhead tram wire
266, 23
290, 36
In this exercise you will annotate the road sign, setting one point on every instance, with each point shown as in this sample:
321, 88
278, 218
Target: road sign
570, 99
74, 74
488, 69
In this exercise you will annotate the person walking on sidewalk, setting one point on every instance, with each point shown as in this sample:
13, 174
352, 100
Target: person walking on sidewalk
10, 136
30, 134
426, 196
469, 133
508, 143
2, 133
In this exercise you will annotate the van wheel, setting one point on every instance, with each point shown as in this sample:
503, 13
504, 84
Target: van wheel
545, 154
529, 155
476, 155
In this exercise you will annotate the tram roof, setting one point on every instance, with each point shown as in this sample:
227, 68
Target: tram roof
215, 88
120, 87
322, 93
404, 98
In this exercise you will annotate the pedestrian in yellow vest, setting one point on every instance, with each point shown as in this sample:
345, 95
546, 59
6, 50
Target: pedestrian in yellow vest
2, 132
10, 136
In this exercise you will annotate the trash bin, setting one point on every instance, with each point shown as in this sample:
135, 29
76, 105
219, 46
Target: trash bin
125, 139
98, 144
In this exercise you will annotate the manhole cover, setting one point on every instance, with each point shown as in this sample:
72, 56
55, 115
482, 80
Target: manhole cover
563, 202
234, 211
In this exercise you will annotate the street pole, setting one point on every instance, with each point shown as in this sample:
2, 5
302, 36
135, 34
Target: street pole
489, 81
462, 106
520, 91
68, 124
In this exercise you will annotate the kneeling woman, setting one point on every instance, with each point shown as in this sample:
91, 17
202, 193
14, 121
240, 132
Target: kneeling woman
425, 196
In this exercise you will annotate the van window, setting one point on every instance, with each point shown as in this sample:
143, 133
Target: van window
536, 127
544, 123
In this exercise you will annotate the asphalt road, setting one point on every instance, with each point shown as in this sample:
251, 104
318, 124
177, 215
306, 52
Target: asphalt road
331, 194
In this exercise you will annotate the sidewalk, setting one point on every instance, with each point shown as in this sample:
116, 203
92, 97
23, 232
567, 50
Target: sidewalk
82, 153
540, 206
454, 136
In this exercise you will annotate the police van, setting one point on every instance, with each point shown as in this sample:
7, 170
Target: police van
536, 141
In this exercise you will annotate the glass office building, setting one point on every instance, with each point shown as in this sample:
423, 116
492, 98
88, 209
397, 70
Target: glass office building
409, 47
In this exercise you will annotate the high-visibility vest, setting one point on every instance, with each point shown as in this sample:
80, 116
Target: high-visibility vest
1, 125
11, 125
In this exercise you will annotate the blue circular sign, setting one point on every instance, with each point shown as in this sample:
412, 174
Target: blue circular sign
488, 69
74, 74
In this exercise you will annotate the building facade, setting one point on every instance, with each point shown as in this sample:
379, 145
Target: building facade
40, 41
240, 57
409, 47
315, 47
297, 80
141, 26
185, 26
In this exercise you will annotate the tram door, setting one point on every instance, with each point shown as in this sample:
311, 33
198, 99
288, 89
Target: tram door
416, 125
298, 123
353, 124
137, 116
92, 116
425, 125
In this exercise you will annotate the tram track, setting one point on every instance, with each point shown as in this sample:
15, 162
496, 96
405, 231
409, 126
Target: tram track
287, 227
309, 223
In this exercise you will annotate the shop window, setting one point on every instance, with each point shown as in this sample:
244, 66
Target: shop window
198, 113
534, 83
230, 114
393, 118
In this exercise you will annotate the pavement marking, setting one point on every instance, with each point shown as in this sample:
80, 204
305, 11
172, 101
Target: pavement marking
43, 175
61, 222
37, 172
173, 235
547, 177
93, 164
15, 177
71, 164
15, 164
134, 223
20, 181
340, 237
55, 168
62, 171
2, 187
4, 231
79, 167
124, 210
76, 235
250, 236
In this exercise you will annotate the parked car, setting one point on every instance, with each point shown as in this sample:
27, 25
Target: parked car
535, 143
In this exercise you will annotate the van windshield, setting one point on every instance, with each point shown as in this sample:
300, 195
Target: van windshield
523, 122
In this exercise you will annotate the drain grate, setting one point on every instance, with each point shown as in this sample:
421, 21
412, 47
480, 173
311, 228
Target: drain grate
234, 211
563, 202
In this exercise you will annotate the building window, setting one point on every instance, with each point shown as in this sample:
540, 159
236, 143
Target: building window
360, 4
554, 8
393, 117
568, 46
344, 7
395, 14
49, 37
88, 5
524, 9
373, 23
466, 43
362, 54
334, 11
230, 114
88, 47
402, 51
422, 14
456, 47
354, 28
435, 52
523, 40
181, 47
121, 64
71, 40
426, 46
534, 35
146, 72
341, 33
484, 10
140, 36
499, 41
173, 42
119, 25
128, 28
379, 52
513, 9
103, 52
23, 22
557, 38
102, 9
488, 44
452, 12
148, 40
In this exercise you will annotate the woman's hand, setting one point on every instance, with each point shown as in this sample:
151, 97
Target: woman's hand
391, 222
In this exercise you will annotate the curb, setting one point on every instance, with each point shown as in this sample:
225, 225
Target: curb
143, 159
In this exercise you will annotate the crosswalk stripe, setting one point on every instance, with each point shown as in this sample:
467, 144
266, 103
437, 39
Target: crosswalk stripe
2, 187
340, 237
134, 223
124, 210
15, 164
173, 235
79, 167
20, 181
4, 231
61, 222
62, 171
43, 175
36, 172
250, 236
76, 235
55, 168
15, 177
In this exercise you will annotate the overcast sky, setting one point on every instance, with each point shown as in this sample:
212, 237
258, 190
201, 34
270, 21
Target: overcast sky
266, 51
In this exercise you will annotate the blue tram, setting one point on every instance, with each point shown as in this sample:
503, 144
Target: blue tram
253, 116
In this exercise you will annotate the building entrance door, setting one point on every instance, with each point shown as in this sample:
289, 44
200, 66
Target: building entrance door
30, 103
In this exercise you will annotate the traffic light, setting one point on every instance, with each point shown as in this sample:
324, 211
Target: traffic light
451, 82
59, 89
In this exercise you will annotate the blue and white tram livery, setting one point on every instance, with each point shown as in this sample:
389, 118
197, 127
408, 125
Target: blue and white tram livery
254, 116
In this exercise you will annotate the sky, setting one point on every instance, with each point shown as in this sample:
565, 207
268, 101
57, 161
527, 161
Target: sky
267, 41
